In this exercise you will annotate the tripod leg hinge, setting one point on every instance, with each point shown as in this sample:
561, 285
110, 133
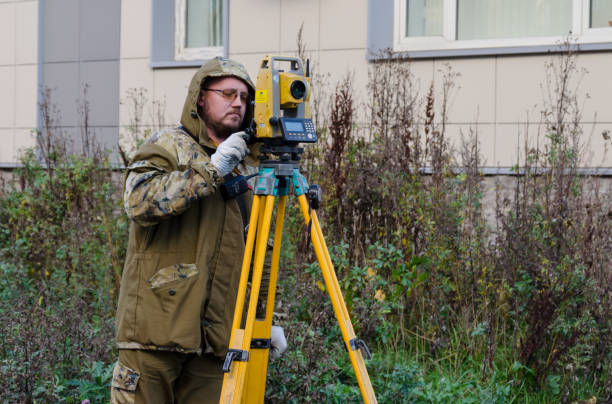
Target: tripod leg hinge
266, 182
300, 185
261, 343
357, 343
234, 355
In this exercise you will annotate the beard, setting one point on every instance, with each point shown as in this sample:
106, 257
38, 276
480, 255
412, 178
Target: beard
222, 130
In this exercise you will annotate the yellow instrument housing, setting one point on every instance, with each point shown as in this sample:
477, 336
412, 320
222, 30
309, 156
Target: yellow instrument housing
273, 96
287, 100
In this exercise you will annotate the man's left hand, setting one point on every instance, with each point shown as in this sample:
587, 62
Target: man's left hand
278, 342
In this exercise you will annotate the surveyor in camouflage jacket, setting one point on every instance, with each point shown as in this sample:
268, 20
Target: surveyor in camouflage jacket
185, 246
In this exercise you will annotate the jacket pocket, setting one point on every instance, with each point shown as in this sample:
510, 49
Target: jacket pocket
172, 285
170, 314
171, 274
123, 385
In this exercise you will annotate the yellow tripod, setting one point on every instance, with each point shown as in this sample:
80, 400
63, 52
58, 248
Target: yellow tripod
247, 358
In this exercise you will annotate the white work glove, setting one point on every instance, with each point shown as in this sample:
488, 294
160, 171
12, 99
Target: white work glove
277, 341
229, 153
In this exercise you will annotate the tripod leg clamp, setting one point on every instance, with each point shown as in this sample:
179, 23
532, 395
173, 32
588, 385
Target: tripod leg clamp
357, 343
261, 343
234, 355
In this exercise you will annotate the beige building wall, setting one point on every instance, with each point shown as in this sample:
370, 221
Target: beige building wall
163, 86
495, 95
18, 77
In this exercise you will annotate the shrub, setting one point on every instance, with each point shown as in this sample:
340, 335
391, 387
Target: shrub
421, 269
552, 245
62, 243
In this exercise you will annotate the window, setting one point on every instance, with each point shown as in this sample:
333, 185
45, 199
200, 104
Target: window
424, 18
483, 19
600, 14
198, 29
425, 25
185, 33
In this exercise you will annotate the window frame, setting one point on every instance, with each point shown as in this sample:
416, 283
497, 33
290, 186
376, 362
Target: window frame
163, 51
448, 42
181, 52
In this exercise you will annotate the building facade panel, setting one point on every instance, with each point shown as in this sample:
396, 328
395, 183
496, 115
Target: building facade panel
135, 75
485, 135
597, 147
26, 32
338, 63
7, 151
472, 97
63, 82
99, 29
343, 24
7, 101
23, 139
251, 62
162, 30
595, 81
513, 139
254, 27
26, 81
380, 26
18, 73
80, 49
423, 73
460, 135
172, 85
106, 138
61, 26
519, 81
135, 29
7, 33
103, 99
297, 14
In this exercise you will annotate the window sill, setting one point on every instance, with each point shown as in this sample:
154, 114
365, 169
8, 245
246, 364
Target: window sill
492, 51
170, 64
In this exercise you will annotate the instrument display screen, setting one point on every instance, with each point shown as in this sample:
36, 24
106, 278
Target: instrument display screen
294, 126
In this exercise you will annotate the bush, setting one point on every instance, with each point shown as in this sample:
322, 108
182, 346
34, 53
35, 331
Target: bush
62, 243
553, 244
524, 303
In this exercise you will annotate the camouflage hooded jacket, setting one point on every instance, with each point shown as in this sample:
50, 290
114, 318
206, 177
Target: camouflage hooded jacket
185, 248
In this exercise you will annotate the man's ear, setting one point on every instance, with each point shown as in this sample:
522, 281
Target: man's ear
200, 101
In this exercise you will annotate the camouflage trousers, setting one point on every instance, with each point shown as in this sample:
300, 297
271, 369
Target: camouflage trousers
166, 377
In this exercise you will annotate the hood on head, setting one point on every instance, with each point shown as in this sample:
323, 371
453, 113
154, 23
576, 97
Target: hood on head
217, 67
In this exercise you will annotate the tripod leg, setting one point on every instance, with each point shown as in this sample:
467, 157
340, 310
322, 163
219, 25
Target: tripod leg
258, 358
335, 294
238, 353
246, 263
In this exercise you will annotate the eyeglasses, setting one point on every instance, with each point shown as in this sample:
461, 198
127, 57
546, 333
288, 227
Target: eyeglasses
230, 94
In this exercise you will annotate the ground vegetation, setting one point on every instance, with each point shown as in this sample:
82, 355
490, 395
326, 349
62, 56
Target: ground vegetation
455, 305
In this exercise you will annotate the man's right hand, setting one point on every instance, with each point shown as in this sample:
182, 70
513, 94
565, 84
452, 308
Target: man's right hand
229, 153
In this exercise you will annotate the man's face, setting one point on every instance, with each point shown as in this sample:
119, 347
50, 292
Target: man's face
222, 114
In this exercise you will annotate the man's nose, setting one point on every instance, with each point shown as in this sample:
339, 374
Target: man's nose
237, 102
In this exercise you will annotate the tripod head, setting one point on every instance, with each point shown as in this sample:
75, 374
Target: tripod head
280, 153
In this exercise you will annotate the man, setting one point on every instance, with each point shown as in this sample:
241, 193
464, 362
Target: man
185, 247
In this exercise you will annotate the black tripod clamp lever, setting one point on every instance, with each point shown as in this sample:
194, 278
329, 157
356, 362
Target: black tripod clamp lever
234, 355
360, 344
